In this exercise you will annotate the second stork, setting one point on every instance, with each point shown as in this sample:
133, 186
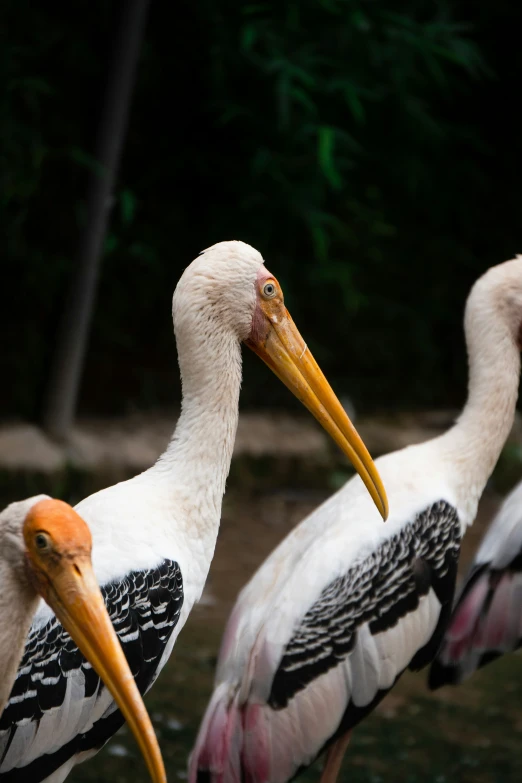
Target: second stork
345, 604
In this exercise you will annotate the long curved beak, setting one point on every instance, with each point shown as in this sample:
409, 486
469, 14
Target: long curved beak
283, 349
76, 599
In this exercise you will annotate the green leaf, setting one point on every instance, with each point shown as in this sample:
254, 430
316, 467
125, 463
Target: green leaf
360, 21
302, 97
320, 240
111, 243
248, 37
354, 103
300, 74
127, 206
325, 154
84, 159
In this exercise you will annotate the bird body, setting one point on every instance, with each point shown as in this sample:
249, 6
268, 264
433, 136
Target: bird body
46, 551
154, 535
486, 621
345, 604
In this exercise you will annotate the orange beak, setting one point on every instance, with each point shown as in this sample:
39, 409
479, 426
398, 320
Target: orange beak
283, 349
75, 597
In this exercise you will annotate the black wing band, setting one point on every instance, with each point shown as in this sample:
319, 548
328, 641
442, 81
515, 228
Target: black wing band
378, 591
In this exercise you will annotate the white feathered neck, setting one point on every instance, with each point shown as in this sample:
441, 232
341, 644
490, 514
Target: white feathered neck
173, 509
492, 323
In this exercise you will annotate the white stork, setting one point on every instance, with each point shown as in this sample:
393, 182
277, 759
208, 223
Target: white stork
154, 536
45, 550
345, 604
487, 618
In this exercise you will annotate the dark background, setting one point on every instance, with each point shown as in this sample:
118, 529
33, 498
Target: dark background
369, 149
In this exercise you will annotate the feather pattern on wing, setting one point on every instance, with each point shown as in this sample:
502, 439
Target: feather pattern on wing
58, 705
385, 613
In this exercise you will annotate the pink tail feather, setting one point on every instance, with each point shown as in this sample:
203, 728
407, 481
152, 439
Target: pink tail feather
486, 622
218, 746
231, 745
254, 743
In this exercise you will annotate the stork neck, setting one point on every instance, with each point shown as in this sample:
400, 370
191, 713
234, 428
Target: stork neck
475, 442
197, 461
18, 603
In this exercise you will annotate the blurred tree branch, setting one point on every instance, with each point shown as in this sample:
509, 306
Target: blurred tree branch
72, 339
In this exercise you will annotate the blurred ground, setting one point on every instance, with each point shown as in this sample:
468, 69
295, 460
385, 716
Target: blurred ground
135, 441
471, 734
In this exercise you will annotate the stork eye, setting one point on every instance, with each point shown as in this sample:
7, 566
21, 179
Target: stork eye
41, 541
269, 290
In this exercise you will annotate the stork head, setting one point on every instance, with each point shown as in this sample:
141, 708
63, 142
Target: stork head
226, 294
56, 539
50, 546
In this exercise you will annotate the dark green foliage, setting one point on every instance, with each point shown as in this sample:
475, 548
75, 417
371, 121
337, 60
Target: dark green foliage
359, 144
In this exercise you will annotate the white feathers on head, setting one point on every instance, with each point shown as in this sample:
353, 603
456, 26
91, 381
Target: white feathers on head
12, 519
218, 287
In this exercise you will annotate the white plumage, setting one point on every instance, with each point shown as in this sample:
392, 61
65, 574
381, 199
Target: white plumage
487, 617
154, 536
503, 539
18, 598
345, 603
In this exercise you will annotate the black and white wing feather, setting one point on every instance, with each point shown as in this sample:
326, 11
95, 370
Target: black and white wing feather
58, 706
376, 594
386, 613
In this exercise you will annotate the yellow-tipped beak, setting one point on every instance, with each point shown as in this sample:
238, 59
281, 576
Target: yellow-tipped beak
76, 599
283, 349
